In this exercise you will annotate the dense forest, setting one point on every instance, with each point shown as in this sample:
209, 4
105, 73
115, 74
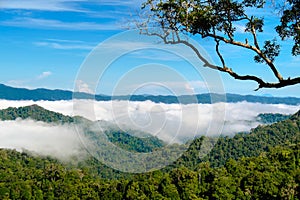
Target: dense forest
271, 175
262, 164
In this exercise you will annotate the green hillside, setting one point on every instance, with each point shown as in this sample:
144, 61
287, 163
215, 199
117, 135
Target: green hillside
262, 164
260, 139
131, 143
272, 175
34, 112
121, 138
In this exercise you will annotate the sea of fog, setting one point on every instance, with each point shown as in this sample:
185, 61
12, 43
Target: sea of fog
173, 123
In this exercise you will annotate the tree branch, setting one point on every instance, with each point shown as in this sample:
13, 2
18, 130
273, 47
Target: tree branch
206, 18
268, 61
261, 83
282, 83
253, 48
219, 54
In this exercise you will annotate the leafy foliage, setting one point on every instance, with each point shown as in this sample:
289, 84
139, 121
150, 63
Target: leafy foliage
270, 49
290, 24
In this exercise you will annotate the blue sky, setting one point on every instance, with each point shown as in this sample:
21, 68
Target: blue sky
45, 43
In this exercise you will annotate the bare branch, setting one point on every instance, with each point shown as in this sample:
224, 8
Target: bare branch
282, 83
261, 82
253, 48
219, 54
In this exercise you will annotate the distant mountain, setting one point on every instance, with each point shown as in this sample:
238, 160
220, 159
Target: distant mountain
11, 93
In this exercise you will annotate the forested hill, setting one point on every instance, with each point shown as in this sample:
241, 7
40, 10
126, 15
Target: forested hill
270, 118
34, 112
126, 140
296, 115
11, 93
273, 175
263, 164
260, 139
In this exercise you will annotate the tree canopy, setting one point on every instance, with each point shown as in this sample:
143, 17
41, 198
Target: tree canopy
220, 20
272, 175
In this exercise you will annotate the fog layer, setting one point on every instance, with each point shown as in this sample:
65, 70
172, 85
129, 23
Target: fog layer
169, 122
61, 142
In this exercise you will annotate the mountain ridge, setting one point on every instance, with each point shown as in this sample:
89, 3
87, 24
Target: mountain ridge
12, 93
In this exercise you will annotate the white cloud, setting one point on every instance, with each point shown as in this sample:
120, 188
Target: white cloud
44, 75
46, 139
52, 5
156, 55
17, 83
151, 48
166, 88
63, 5
194, 85
126, 45
81, 86
121, 2
27, 82
60, 25
240, 28
65, 45
169, 122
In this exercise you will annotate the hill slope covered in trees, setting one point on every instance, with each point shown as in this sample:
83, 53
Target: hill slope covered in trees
262, 164
259, 140
273, 175
116, 136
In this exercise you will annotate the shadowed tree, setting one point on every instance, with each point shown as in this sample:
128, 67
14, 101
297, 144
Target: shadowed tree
219, 21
